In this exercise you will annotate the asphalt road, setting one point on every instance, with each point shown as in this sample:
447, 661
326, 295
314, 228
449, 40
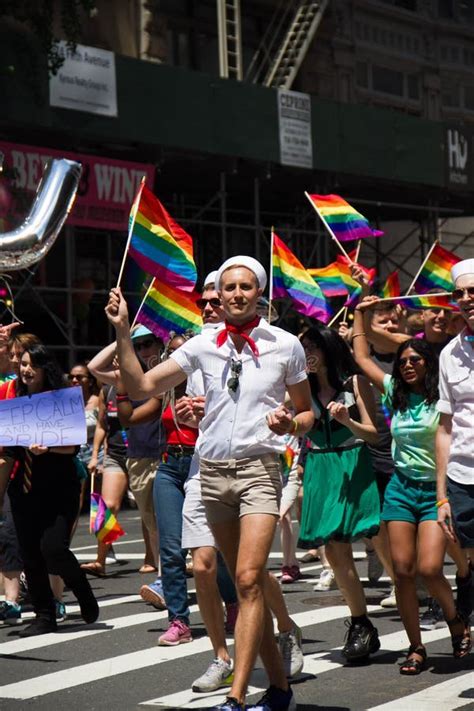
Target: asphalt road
116, 664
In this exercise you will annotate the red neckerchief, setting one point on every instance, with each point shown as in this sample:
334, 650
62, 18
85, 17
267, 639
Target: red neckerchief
240, 331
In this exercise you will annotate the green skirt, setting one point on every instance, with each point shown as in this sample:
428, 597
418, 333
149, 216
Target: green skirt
340, 497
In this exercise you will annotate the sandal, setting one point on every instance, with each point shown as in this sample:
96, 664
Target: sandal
147, 568
462, 642
94, 568
412, 666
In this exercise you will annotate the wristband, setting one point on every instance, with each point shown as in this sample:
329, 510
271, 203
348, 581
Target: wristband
441, 502
361, 333
295, 426
122, 398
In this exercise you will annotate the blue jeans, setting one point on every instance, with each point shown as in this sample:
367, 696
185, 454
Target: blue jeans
168, 497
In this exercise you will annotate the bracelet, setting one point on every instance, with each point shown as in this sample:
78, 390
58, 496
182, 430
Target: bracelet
122, 398
361, 333
294, 422
441, 502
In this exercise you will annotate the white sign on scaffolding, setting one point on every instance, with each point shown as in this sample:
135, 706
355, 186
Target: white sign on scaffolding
294, 121
86, 81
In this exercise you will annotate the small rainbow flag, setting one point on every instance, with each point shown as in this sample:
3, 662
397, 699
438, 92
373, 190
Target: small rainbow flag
159, 245
291, 279
287, 458
391, 287
167, 309
353, 287
426, 301
102, 521
343, 220
436, 272
329, 280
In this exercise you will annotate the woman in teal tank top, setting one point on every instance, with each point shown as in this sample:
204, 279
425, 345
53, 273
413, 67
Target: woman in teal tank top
417, 543
340, 500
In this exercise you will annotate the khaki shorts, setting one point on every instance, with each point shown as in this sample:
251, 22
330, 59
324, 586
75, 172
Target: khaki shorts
141, 475
236, 487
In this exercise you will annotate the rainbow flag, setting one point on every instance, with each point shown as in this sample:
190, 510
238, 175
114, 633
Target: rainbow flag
391, 286
343, 219
436, 272
426, 301
159, 245
291, 279
134, 285
286, 459
329, 280
102, 521
169, 309
354, 289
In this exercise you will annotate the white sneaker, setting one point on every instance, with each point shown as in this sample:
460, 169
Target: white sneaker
111, 557
290, 644
390, 600
326, 580
219, 673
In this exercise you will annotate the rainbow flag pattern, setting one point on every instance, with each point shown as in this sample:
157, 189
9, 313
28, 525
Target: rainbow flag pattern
354, 289
135, 282
167, 309
391, 287
290, 279
329, 280
427, 301
159, 245
344, 220
436, 272
102, 521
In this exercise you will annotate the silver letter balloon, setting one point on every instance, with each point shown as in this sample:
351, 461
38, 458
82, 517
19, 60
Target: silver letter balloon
32, 240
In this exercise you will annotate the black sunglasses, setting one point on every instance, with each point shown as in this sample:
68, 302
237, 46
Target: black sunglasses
143, 344
202, 303
413, 360
459, 293
73, 376
235, 370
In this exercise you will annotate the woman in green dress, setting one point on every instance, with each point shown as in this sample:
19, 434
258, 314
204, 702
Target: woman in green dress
340, 501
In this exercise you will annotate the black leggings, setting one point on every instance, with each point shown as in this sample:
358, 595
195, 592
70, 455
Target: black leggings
44, 521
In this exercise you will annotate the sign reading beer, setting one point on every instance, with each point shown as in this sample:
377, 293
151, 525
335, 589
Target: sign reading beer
105, 193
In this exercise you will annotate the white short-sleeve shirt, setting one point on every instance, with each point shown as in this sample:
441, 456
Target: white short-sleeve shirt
234, 425
456, 393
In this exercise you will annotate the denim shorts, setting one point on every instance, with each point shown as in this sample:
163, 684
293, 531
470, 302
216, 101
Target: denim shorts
409, 500
461, 498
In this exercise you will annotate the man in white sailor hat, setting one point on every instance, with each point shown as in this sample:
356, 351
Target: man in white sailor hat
247, 366
455, 436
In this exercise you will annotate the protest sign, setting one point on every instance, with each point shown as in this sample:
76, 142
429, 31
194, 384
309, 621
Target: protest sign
53, 419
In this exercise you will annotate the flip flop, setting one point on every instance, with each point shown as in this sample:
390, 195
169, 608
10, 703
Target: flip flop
94, 568
147, 568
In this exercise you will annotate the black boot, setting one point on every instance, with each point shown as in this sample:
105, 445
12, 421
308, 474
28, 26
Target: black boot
40, 625
85, 597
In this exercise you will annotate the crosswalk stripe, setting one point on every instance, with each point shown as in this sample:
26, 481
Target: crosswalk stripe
448, 695
82, 674
315, 665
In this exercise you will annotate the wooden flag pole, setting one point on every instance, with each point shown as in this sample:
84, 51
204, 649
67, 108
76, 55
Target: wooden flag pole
92, 491
413, 296
356, 260
333, 236
422, 265
133, 211
334, 318
150, 285
270, 283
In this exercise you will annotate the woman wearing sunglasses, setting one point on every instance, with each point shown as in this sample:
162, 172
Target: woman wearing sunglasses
416, 542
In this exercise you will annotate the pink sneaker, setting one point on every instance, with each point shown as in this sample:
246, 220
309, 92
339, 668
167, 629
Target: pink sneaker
231, 612
177, 633
290, 574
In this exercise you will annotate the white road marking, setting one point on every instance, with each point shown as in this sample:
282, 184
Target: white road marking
448, 695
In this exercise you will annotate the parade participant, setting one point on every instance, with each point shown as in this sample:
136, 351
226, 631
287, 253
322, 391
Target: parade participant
44, 497
416, 542
145, 436
246, 368
454, 438
340, 501
207, 560
80, 375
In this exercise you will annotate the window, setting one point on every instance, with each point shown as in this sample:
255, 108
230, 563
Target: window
387, 81
450, 94
362, 74
413, 87
469, 98
446, 9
